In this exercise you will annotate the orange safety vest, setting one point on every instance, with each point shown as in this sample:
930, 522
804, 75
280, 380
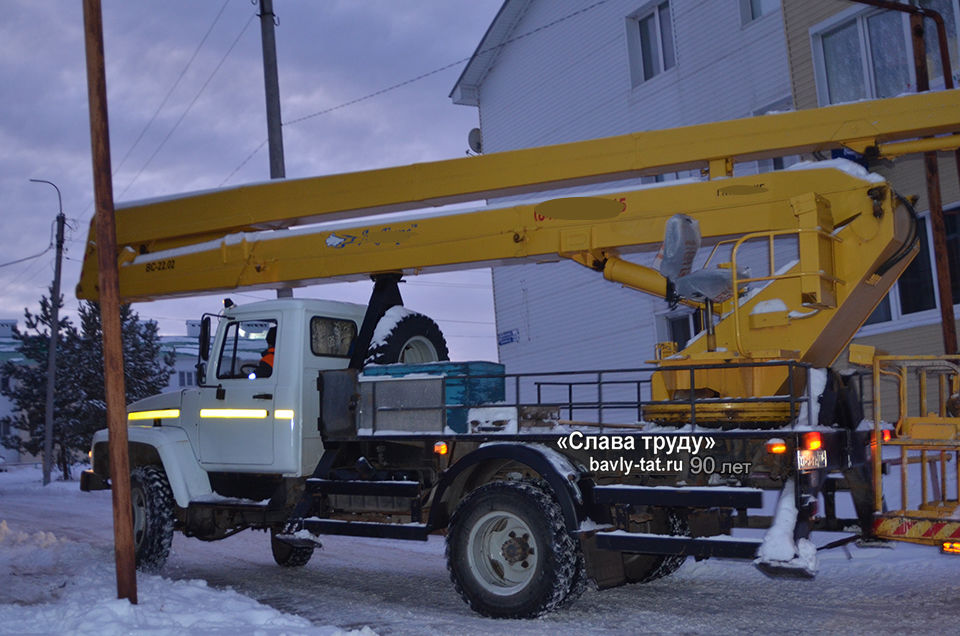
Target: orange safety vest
268, 357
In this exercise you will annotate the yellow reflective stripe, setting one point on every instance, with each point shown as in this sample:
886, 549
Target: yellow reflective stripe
153, 415
283, 414
234, 413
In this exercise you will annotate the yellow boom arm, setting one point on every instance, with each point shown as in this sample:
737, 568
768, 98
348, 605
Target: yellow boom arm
844, 226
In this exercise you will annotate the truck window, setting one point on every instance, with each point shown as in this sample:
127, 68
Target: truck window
247, 350
331, 336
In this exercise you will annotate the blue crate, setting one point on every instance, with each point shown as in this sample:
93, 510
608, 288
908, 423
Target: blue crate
466, 384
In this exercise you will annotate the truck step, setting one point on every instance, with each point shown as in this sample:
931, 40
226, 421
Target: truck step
407, 531
356, 487
700, 547
695, 497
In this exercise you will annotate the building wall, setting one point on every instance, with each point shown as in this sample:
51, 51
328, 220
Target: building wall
573, 81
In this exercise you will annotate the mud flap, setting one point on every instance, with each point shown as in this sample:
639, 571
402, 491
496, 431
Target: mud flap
786, 552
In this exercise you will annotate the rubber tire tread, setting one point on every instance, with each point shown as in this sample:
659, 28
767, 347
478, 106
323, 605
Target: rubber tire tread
288, 556
560, 568
662, 566
154, 547
410, 326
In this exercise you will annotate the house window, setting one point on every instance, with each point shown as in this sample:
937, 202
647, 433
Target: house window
650, 41
186, 378
948, 9
915, 292
952, 222
866, 54
782, 105
679, 326
751, 10
916, 282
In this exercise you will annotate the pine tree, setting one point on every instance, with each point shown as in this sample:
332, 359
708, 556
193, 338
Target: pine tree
79, 400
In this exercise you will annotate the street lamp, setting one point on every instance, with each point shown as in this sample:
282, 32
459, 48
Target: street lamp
54, 333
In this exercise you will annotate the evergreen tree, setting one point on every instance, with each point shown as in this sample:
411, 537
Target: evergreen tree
79, 400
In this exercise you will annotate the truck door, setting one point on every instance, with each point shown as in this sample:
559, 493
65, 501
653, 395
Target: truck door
236, 425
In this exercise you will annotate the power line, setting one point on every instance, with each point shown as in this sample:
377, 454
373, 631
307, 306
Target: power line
38, 255
412, 80
176, 83
27, 258
192, 102
447, 66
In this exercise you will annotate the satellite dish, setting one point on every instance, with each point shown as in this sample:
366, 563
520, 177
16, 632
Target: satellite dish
475, 141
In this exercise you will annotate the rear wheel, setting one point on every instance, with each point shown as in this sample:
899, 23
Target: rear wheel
509, 552
643, 568
152, 502
286, 555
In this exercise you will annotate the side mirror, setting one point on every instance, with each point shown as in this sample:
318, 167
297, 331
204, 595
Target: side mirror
205, 338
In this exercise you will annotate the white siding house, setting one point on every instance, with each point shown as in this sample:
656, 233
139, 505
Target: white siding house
557, 71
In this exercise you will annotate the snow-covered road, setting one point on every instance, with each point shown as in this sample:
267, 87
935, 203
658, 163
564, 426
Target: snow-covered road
398, 587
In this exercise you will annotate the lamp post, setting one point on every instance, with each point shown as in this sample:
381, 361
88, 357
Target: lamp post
54, 333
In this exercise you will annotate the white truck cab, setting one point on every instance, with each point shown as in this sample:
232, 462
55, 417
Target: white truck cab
255, 409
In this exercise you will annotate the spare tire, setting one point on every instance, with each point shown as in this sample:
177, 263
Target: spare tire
406, 336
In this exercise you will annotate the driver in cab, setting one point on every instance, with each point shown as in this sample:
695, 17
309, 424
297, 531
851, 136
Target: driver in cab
265, 365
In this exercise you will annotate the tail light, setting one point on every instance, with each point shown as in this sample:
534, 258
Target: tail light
812, 441
776, 446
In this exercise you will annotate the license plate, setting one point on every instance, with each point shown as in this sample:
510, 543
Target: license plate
811, 459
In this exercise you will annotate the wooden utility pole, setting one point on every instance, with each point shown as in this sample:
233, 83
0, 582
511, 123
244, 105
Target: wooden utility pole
935, 203
110, 304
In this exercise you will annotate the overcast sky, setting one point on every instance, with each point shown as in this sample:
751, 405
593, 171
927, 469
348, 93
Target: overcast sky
171, 135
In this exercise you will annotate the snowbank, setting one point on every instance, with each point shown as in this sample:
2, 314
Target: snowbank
52, 585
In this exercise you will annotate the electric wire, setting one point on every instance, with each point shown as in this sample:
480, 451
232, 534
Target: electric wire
173, 87
412, 80
191, 104
27, 258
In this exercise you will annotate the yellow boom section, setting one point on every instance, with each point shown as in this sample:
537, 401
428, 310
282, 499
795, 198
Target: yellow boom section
201, 242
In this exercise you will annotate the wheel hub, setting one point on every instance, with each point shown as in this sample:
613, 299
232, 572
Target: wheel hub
517, 549
502, 552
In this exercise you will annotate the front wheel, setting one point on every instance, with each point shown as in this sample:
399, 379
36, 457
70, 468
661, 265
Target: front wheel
152, 502
509, 552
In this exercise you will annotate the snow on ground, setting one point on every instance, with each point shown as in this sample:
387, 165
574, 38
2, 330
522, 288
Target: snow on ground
55, 585
56, 577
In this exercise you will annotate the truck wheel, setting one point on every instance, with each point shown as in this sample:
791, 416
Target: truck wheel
509, 552
643, 568
414, 338
287, 555
152, 502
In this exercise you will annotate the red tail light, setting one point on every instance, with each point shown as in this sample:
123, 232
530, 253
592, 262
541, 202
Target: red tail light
812, 441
